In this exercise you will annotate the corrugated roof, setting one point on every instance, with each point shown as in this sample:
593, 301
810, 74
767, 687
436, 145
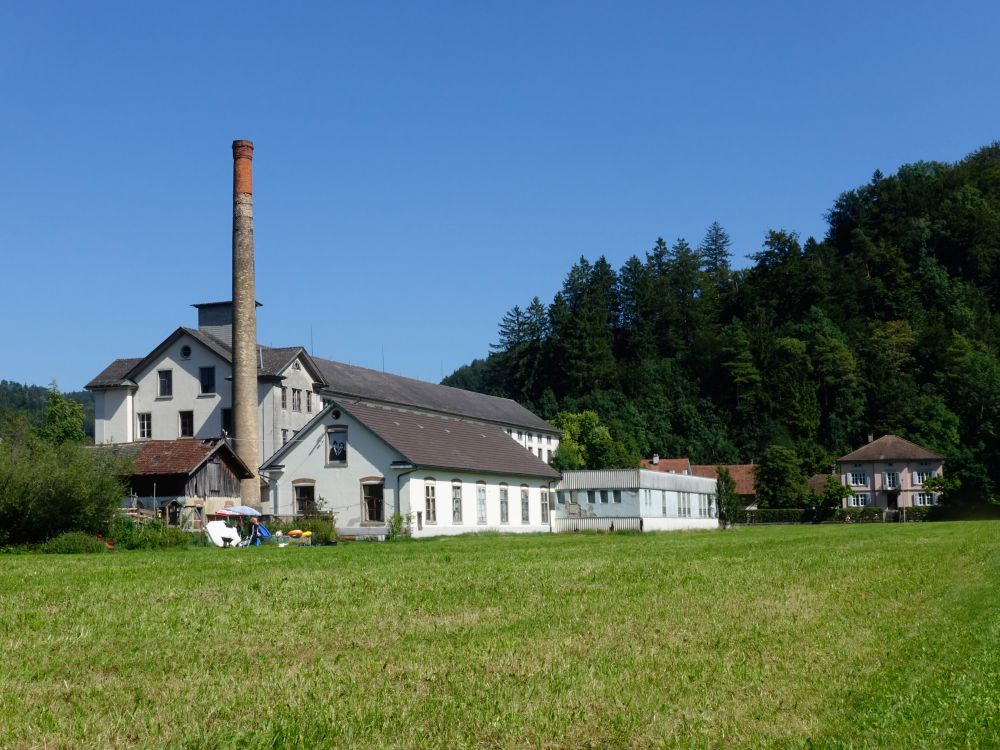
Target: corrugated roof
114, 373
441, 443
742, 475
890, 448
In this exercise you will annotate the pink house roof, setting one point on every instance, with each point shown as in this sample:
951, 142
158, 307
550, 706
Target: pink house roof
889, 448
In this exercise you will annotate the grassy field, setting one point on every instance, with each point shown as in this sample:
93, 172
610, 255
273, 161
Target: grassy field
827, 636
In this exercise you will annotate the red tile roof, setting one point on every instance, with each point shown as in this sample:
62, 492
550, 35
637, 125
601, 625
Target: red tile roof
162, 457
742, 474
668, 465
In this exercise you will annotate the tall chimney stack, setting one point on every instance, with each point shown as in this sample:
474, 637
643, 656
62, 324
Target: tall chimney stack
244, 322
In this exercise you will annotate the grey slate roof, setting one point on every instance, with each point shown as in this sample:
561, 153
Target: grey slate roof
114, 373
361, 382
351, 381
440, 443
888, 448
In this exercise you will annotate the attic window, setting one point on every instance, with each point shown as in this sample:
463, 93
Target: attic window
185, 352
296, 365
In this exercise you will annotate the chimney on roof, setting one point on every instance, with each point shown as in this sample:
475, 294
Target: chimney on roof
656, 459
244, 322
871, 437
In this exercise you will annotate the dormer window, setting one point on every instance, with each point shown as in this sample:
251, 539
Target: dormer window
185, 352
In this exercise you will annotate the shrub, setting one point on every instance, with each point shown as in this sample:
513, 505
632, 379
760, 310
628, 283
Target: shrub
399, 526
127, 534
772, 515
858, 515
73, 543
47, 489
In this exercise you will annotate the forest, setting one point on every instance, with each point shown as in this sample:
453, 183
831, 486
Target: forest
888, 324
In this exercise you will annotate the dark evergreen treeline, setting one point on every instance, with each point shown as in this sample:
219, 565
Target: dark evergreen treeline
31, 400
888, 324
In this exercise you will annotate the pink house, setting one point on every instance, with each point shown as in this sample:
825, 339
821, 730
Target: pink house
890, 473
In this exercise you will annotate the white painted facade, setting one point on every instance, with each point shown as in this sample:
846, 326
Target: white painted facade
340, 487
663, 501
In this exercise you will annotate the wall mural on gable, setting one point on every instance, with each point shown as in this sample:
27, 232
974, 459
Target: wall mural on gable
336, 441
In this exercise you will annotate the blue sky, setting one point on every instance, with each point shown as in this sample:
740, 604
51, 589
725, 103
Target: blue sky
422, 167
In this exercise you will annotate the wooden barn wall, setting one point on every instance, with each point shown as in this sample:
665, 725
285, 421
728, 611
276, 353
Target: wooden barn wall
214, 479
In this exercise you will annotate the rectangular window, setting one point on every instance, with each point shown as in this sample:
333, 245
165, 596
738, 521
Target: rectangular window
919, 477
859, 478
504, 505
165, 381
456, 502
336, 446
924, 499
309, 402
284, 437
860, 500
430, 501
145, 426
684, 504
187, 423
480, 503
305, 499
545, 505
548, 456
548, 439
206, 376
520, 435
703, 505
373, 502
227, 422
591, 496
296, 399
284, 397
892, 480
617, 496
525, 508
605, 496
561, 497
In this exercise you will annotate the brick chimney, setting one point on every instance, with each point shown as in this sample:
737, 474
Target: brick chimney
244, 330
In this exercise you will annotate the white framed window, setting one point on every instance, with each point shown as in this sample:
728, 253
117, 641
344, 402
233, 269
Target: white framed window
924, 499
165, 383
684, 504
284, 397
892, 480
309, 402
921, 476
525, 508
859, 479
545, 504
145, 425
480, 502
186, 427
504, 504
859, 500
296, 399
207, 377
430, 500
456, 501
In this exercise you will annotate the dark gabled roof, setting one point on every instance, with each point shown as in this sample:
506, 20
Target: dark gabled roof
817, 483
113, 374
432, 442
361, 382
890, 448
163, 457
342, 380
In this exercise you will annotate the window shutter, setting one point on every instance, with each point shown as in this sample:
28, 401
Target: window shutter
916, 479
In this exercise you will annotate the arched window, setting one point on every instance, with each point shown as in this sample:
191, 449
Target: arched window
504, 504
456, 501
525, 508
430, 500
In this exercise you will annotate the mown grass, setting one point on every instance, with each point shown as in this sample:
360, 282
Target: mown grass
832, 636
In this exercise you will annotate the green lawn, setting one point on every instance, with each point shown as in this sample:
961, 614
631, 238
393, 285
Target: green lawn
826, 636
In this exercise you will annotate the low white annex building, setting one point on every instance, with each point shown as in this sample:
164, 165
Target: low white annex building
443, 475
634, 499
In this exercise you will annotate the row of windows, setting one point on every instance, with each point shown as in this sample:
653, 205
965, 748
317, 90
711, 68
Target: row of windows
165, 382
864, 499
531, 436
185, 424
296, 399
430, 502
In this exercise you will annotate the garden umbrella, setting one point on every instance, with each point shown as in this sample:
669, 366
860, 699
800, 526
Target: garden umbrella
243, 510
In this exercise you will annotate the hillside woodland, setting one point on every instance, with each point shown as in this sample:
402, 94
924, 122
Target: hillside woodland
887, 324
